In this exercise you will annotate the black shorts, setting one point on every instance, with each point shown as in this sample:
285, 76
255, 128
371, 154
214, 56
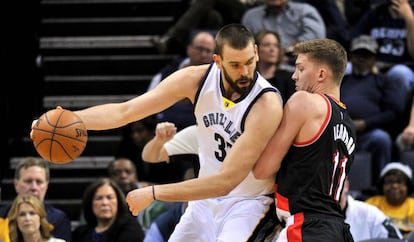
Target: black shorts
317, 227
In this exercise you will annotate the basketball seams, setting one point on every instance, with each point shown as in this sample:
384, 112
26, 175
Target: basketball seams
61, 135
60, 142
64, 150
68, 125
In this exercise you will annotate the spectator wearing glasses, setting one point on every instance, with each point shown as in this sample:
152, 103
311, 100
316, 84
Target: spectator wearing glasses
199, 51
394, 188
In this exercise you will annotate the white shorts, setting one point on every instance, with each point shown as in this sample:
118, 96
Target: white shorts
221, 219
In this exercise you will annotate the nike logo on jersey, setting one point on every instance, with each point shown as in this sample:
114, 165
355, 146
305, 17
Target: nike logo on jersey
227, 103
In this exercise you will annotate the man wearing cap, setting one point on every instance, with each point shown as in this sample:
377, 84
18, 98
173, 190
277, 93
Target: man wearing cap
373, 101
394, 188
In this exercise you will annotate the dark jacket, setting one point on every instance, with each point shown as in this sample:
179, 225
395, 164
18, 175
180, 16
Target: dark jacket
125, 229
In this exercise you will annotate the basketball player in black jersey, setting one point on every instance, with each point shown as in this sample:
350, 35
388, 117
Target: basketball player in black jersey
313, 148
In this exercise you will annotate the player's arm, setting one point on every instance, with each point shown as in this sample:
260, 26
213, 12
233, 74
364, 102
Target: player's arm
408, 133
177, 86
154, 150
261, 123
403, 9
259, 127
297, 111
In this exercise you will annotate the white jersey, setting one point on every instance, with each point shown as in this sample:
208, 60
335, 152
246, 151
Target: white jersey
220, 122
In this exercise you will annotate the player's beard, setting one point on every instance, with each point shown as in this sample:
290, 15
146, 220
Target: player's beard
233, 84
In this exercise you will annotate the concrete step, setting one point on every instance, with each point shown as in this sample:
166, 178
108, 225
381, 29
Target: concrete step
59, 65
88, 8
96, 84
81, 101
104, 26
100, 144
82, 162
88, 42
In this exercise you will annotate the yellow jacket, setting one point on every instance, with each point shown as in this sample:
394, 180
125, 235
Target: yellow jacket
4, 230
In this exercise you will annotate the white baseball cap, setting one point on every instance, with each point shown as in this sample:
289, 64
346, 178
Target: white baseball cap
364, 42
397, 166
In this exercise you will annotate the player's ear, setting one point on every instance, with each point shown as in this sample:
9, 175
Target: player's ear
217, 60
323, 74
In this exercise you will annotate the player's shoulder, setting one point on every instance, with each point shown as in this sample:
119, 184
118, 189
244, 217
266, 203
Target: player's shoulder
197, 68
194, 71
302, 101
300, 98
271, 99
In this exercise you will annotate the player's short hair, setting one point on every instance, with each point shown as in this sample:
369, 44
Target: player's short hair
235, 35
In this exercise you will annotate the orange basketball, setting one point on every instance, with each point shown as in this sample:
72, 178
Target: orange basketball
59, 136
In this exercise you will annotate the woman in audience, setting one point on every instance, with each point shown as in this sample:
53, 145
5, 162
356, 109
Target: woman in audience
271, 63
106, 215
28, 222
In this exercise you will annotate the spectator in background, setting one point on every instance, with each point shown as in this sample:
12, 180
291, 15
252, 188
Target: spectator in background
107, 216
199, 51
394, 188
135, 136
374, 103
366, 221
123, 172
391, 24
201, 14
32, 177
28, 221
336, 25
270, 63
354, 9
293, 21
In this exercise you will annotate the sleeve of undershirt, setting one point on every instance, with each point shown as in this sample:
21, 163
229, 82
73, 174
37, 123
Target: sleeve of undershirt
184, 142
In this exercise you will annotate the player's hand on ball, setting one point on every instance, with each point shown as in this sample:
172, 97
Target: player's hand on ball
165, 131
139, 199
34, 123
31, 130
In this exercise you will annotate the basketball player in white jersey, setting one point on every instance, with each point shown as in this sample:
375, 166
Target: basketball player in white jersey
237, 112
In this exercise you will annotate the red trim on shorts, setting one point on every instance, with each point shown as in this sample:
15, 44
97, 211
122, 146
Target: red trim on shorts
294, 231
282, 202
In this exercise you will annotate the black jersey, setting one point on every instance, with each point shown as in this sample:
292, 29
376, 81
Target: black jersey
312, 174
